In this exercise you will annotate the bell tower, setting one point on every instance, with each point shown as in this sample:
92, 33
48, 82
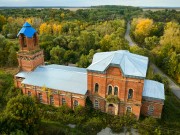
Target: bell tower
29, 56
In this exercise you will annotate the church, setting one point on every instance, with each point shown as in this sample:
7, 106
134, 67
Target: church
115, 81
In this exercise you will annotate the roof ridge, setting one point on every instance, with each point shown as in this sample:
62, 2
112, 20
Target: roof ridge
102, 59
134, 64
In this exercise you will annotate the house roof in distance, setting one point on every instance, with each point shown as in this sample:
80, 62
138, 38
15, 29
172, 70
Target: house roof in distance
132, 65
27, 30
153, 89
59, 77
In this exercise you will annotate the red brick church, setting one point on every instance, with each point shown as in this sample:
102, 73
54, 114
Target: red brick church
115, 81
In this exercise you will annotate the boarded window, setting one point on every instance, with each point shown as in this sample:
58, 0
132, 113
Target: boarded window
109, 90
150, 109
96, 88
115, 90
96, 104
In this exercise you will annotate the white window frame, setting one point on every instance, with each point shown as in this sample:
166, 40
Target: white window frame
150, 110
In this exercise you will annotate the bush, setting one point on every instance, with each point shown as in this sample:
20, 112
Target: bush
93, 126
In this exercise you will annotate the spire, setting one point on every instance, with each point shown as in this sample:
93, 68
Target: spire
27, 30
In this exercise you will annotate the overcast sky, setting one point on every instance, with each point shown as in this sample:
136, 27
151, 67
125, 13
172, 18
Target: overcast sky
159, 3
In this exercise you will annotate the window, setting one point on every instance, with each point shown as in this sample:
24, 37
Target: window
51, 100
29, 93
150, 109
40, 98
115, 90
96, 88
109, 90
63, 101
130, 94
75, 103
24, 41
128, 110
96, 104
35, 39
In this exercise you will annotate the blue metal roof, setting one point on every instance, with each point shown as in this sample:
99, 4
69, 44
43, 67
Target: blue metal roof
59, 77
153, 89
131, 64
27, 30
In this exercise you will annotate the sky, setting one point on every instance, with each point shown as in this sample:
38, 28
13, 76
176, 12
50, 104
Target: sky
77, 3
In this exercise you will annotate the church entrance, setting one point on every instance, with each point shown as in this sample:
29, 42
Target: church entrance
111, 109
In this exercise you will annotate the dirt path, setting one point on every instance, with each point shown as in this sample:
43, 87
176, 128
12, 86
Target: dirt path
174, 87
127, 36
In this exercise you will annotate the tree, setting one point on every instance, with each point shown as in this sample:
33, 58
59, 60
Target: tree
86, 42
151, 42
93, 125
141, 28
12, 58
2, 21
57, 55
20, 114
83, 62
149, 126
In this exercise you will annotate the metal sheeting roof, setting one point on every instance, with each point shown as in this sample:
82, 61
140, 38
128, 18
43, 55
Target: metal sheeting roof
66, 78
130, 64
22, 74
153, 89
27, 30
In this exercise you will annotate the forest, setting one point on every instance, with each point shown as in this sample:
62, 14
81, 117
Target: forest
73, 37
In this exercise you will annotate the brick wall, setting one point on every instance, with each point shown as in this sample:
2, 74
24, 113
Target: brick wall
28, 61
57, 96
114, 77
158, 106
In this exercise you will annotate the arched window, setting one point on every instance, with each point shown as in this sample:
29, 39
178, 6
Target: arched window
29, 93
128, 110
115, 90
150, 109
51, 100
23, 40
40, 98
130, 94
63, 101
75, 103
96, 88
110, 90
35, 39
96, 104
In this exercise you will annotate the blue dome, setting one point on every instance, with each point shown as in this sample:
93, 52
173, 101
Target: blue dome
27, 30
